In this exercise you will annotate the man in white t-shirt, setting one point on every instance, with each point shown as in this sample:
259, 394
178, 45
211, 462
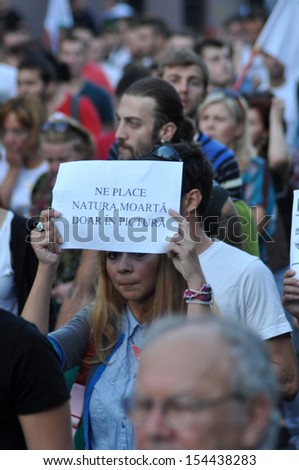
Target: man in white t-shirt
243, 286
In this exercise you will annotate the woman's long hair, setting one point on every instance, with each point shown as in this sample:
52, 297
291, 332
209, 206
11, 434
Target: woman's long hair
106, 322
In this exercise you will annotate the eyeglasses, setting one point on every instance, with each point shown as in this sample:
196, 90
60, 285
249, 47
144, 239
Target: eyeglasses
166, 152
178, 412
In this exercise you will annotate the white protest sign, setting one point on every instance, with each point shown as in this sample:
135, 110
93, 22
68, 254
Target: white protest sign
294, 249
117, 205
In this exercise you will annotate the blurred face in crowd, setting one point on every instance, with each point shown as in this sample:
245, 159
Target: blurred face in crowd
188, 82
30, 81
216, 121
73, 53
252, 28
15, 136
135, 128
146, 41
235, 30
219, 64
56, 153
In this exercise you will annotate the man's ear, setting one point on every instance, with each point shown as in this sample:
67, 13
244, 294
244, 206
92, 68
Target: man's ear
190, 202
167, 132
258, 420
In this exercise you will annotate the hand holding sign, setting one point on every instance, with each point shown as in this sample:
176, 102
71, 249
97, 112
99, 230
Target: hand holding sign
117, 205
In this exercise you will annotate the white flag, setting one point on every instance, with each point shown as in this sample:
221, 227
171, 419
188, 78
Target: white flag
58, 15
280, 34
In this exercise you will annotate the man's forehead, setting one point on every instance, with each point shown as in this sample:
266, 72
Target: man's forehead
189, 338
136, 106
216, 51
69, 45
158, 357
183, 70
32, 73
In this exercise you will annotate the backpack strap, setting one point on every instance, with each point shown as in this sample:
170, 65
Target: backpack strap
75, 111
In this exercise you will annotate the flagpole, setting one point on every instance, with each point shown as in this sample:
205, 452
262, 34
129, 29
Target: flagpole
245, 70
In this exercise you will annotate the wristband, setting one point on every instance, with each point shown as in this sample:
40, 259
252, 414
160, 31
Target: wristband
202, 296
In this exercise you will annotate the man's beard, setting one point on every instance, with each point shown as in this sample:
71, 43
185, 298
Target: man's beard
131, 154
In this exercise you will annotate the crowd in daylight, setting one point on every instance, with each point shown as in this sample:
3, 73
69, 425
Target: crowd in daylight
99, 339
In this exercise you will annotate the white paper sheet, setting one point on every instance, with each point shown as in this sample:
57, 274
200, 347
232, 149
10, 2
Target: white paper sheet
117, 205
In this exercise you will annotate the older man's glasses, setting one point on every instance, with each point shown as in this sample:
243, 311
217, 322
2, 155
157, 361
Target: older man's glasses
177, 411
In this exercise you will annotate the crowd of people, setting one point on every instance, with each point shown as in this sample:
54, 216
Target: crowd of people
133, 339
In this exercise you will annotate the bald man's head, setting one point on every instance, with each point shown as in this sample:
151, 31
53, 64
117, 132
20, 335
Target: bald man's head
195, 382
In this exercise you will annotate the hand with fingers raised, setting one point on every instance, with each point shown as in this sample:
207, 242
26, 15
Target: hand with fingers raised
46, 240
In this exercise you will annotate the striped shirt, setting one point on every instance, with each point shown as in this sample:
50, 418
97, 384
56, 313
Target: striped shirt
224, 163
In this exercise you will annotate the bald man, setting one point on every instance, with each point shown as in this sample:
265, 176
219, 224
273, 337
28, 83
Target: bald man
204, 384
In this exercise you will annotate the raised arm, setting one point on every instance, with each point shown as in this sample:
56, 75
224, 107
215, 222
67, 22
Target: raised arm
46, 246
278, 156
182, 251
290, 296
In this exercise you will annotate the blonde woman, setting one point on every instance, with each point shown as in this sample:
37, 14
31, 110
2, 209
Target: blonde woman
224, 116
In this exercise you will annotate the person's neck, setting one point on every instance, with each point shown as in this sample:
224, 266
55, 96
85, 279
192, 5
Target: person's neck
32, 161
140, 310
202, 241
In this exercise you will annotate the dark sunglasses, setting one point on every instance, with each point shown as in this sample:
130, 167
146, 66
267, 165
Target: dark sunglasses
166, 152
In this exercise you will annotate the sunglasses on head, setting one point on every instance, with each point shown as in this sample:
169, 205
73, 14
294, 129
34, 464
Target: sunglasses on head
166, 152
61, 127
